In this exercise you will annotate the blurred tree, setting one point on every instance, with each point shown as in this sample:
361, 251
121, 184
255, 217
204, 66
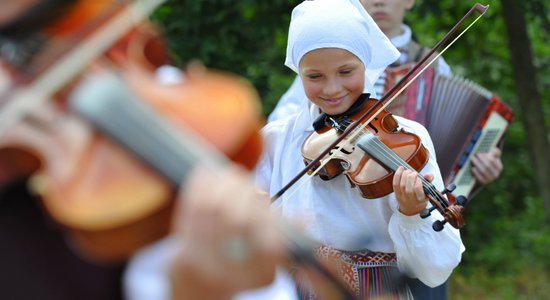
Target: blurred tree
526, 87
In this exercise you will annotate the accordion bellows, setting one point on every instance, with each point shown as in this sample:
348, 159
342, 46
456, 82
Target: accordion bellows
462, 118
460, 104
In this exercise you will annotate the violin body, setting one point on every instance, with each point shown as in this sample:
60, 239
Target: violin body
373, 179
113, 203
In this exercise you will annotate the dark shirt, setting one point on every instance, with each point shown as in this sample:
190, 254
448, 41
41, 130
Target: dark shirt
36, 261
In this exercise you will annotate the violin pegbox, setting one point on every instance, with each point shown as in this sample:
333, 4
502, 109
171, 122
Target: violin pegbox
452, 214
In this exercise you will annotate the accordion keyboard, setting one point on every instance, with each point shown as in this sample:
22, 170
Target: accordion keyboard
486, 138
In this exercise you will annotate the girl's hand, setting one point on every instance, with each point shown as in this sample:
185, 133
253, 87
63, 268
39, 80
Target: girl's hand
409, 191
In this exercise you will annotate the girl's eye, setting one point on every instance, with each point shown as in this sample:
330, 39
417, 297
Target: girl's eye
345, 72
313, 76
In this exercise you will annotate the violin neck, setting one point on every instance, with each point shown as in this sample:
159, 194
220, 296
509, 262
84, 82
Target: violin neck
385, 156
113, 109
380, 152
56, 76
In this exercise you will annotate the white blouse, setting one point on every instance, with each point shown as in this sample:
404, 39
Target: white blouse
335, 214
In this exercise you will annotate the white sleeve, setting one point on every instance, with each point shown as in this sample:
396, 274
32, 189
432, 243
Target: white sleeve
290, 103
282, 288
146, 274
421, 251
263, 170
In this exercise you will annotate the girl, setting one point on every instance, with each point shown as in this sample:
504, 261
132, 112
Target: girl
338, 52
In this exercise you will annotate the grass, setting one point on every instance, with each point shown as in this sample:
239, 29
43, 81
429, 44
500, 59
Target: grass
529, 284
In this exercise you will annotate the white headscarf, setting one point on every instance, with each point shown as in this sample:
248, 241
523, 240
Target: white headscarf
343, 24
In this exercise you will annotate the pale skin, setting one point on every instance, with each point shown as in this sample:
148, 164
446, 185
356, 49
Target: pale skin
212, 209
333, 79
389, 15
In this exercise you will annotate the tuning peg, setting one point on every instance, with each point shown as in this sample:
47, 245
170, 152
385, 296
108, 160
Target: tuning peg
438, 225
451, 187
461, 200
427, 212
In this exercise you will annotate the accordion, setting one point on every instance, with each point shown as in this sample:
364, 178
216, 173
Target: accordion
461, 117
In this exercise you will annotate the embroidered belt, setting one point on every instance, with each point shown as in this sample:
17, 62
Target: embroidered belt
366, 273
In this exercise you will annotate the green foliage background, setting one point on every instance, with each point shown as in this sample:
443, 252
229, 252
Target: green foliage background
246, 37
506, 236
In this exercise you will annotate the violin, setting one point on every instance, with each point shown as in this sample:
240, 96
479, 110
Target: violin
372, 179
386, 147
111, 203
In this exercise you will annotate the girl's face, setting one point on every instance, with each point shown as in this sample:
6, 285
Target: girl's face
333, 78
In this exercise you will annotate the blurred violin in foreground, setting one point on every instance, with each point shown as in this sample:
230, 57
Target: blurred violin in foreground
111, 202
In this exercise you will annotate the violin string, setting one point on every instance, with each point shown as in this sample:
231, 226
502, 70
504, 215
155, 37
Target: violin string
396, 160
390, 155
399, 161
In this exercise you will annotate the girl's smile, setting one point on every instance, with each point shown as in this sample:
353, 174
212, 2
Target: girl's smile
333, 78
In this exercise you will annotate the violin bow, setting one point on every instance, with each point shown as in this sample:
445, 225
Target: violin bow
386, 100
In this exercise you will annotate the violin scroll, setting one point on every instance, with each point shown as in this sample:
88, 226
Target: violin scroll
452, 214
